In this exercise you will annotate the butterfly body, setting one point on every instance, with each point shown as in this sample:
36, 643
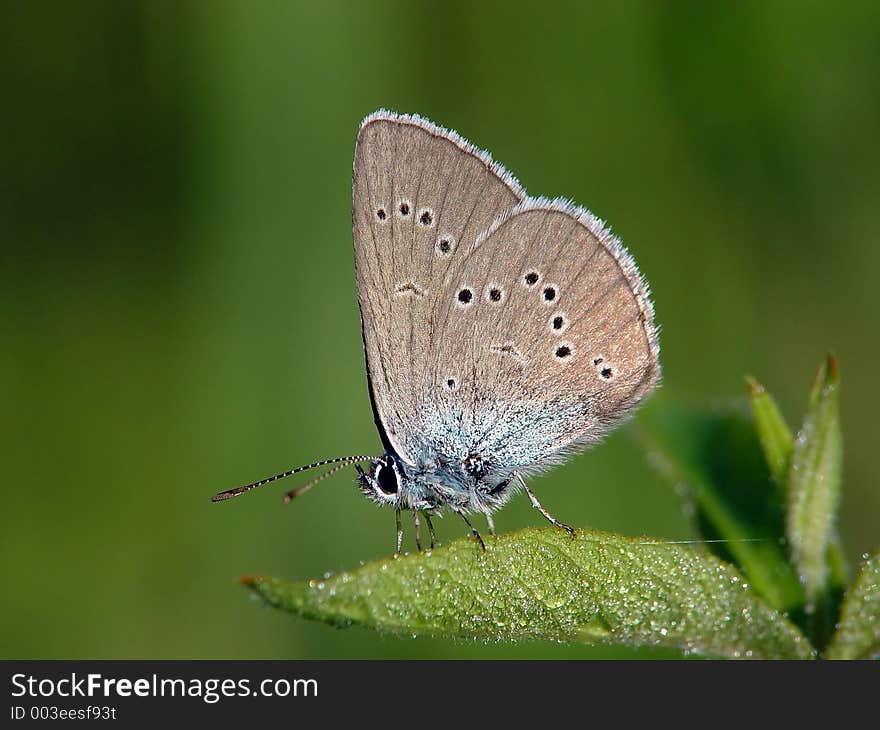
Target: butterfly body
465, 485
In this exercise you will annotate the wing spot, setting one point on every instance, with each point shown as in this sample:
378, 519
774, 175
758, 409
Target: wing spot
450, 384
381, 214
558, 323
445, 244
404, 208
465, 297
550, 293
508, 348
531, 278
605, 369
563, 351
410, 288
494, 294
426, 218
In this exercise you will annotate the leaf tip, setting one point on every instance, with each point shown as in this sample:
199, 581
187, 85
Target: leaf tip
754, 387
833, 369
826, 381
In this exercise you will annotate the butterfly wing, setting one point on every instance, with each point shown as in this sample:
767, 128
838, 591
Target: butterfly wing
421, 197
544, 339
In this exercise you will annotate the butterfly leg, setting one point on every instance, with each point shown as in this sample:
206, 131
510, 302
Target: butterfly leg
471, 528
431, 530
491, 524
418, 529
399, 532
537, 505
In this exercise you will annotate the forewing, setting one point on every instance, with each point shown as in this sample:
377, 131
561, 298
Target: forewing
421, 197
545, 339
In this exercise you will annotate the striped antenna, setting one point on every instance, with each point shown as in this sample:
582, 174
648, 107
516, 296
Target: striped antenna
294, 493
342, 461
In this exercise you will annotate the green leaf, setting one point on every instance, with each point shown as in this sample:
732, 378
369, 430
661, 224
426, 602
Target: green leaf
858, 632
713, 460
544, 584
777, 442
814, 485
774, 434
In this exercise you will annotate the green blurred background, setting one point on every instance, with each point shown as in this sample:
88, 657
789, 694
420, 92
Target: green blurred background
179, 311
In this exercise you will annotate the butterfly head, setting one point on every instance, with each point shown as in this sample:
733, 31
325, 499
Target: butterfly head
391, 482
383, 482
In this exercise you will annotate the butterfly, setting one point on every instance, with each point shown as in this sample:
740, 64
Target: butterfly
502, 333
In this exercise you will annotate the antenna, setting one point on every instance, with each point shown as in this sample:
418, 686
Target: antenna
294, 493
342, 461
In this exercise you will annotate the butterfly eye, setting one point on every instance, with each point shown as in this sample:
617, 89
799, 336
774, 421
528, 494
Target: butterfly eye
386, 478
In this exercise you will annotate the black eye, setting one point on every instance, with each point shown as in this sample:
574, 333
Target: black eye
387, 479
